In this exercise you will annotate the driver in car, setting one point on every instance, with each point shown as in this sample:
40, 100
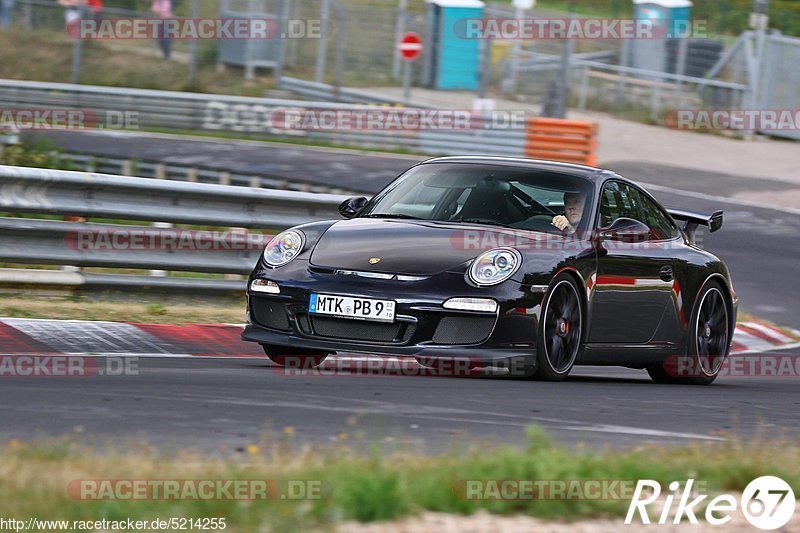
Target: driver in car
573, 212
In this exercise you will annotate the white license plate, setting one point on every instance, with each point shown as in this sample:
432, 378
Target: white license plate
347, 307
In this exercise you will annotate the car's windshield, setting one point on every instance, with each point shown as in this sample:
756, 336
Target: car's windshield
509, 196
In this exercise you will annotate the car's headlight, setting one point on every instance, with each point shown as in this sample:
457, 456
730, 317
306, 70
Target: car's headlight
283, 248
494, 266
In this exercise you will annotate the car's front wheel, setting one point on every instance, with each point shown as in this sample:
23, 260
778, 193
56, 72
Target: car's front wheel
293, 357
560, 330
707, 345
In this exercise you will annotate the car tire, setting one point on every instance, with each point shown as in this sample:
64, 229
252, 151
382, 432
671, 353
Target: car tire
708, 341
294, 357
559, 341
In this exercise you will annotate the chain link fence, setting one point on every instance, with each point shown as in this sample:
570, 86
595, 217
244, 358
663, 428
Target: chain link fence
353, 43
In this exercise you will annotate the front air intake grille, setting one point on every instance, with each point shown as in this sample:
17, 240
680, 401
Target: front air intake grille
270, 314
463, 329
362, 330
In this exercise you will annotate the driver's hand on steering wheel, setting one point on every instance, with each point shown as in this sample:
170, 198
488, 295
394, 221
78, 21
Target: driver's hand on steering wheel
562, 223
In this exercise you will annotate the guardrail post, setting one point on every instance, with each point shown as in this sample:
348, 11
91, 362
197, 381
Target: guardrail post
191, 175
126, 168
160, 171
160, 273
72, 268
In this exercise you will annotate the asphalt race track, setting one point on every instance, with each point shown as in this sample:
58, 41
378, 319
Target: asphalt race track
210, 402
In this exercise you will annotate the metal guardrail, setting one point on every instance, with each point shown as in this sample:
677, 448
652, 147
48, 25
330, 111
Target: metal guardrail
246, 115
59, 192
330, 93
658, 84
534, 61
78, 194
56, 242
189, 172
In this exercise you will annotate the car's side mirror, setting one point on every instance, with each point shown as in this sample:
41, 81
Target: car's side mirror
626, 230
350, 207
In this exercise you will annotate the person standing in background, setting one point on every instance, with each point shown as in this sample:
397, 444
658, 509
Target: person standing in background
163, 10
6, 13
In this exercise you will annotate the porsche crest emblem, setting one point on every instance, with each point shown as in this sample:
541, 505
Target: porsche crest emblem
374, 260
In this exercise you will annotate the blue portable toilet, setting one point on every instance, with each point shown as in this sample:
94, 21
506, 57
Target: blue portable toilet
671, 18
453, 61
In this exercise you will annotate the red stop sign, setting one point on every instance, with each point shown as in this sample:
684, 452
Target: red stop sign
410, 46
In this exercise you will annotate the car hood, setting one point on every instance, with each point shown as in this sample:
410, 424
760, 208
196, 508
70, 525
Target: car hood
409, 246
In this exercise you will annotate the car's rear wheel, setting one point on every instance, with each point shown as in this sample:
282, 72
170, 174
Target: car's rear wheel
560, 335
707, 345
294, 357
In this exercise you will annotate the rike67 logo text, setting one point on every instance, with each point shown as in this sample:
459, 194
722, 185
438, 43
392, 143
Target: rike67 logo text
767, 502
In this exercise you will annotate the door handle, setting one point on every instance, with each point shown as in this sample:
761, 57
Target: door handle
666, 273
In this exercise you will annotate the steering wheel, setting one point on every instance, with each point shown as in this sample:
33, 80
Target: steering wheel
531, 200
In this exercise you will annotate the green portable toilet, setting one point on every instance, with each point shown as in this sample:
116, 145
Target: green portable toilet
453, 61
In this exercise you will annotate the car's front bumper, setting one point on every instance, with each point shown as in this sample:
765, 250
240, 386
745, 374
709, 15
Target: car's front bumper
422, 326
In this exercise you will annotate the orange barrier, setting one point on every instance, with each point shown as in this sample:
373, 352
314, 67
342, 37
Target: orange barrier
570, 141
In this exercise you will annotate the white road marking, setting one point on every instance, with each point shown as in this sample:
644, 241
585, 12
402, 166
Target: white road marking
748, 339
626, 430
770, 332
769, 348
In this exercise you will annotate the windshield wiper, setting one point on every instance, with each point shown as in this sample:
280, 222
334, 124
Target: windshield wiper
480, 221
391, 215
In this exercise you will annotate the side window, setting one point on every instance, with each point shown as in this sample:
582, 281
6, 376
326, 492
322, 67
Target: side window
660, 226
612, 204
621, 200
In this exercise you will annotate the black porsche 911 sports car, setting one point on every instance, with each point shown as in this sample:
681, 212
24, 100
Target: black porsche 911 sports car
532, 265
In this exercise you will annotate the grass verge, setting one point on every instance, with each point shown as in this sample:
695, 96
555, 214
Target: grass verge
46, 55
368, 488
159, 310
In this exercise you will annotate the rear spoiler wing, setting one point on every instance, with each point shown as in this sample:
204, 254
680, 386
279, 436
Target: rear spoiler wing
694, 220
